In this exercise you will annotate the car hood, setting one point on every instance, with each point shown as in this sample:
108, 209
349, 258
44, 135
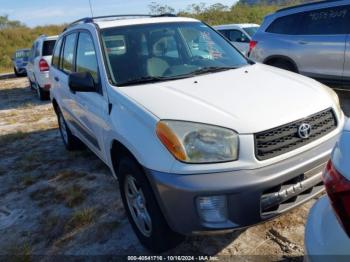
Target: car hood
249, 99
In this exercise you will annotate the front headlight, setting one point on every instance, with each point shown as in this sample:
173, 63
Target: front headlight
334, 97
198, 143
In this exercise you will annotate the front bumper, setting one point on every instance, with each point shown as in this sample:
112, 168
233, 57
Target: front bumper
252, 195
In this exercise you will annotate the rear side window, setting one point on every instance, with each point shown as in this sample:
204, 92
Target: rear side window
56, 54
68, 53
327, 21
330, 21
86, 60
48, 47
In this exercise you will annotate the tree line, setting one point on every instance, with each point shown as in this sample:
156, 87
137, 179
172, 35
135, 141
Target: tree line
15, 35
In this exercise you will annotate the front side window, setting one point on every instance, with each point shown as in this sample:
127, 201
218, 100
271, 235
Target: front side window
56, 54
68, 53
238, 36
86, 60
165, 51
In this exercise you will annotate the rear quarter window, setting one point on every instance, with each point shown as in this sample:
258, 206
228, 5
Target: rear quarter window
48, 47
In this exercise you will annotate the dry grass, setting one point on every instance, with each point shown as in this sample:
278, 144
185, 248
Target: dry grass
66, 175
10, 138
20, 253
81, 218
73, 196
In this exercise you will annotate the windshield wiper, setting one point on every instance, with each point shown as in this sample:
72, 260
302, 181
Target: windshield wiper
212, 69
144, 80
154, 79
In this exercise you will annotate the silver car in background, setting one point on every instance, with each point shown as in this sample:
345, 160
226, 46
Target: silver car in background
238, 34
311, 39
20, 60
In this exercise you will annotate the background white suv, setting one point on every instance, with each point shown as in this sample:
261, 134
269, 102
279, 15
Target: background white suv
38, 65
239, 35
200, 138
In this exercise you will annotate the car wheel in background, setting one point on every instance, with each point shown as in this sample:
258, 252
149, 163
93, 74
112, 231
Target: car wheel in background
15, 71
30, 84
42, 94
70, 141
283, 65
142, 209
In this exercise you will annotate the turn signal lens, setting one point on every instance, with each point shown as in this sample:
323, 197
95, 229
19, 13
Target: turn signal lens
170, 141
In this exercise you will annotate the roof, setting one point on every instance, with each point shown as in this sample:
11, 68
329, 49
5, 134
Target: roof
306, 5
144, 20
231, 26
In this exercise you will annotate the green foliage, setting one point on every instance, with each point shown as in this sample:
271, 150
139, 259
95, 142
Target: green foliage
219, 14
14, 35
275, 2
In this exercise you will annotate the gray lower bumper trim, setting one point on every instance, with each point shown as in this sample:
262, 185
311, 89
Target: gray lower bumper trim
176, 193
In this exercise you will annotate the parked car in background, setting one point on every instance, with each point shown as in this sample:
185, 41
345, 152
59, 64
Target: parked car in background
153, 98
239, 34
39, 65
20, 60
328, 225
311, 39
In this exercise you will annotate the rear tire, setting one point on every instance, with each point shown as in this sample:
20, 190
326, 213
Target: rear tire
70, 141
147, 221
42, 94
30, 84
282, 64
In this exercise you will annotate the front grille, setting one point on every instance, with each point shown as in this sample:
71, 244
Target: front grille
283, 139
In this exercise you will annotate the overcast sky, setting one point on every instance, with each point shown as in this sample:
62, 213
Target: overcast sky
42, 12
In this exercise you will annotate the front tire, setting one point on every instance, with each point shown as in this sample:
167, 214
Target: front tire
142, 209
70, 141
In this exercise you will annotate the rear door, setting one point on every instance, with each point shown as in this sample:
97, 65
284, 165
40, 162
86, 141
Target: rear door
319, 46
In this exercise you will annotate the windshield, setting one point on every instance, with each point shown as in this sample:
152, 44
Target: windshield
251, 30
166, 51
22, 54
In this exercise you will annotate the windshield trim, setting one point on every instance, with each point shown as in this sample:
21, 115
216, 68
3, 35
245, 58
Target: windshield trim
108, 69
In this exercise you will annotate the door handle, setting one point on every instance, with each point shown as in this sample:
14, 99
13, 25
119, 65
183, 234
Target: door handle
303, 43
56, 79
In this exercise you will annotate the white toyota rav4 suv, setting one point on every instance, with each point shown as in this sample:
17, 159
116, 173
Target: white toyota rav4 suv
200, 138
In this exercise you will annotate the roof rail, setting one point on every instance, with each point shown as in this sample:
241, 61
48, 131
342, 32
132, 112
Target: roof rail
115, 17
307, 4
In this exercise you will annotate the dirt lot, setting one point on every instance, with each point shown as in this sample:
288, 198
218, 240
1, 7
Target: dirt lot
53, 202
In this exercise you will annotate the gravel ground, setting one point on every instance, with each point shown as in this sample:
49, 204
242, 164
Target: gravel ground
53, 202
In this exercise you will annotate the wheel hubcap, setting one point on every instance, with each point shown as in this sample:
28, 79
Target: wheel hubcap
137, 205
63, 129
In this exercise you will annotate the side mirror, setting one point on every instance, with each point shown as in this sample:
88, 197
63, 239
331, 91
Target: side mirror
81, 82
